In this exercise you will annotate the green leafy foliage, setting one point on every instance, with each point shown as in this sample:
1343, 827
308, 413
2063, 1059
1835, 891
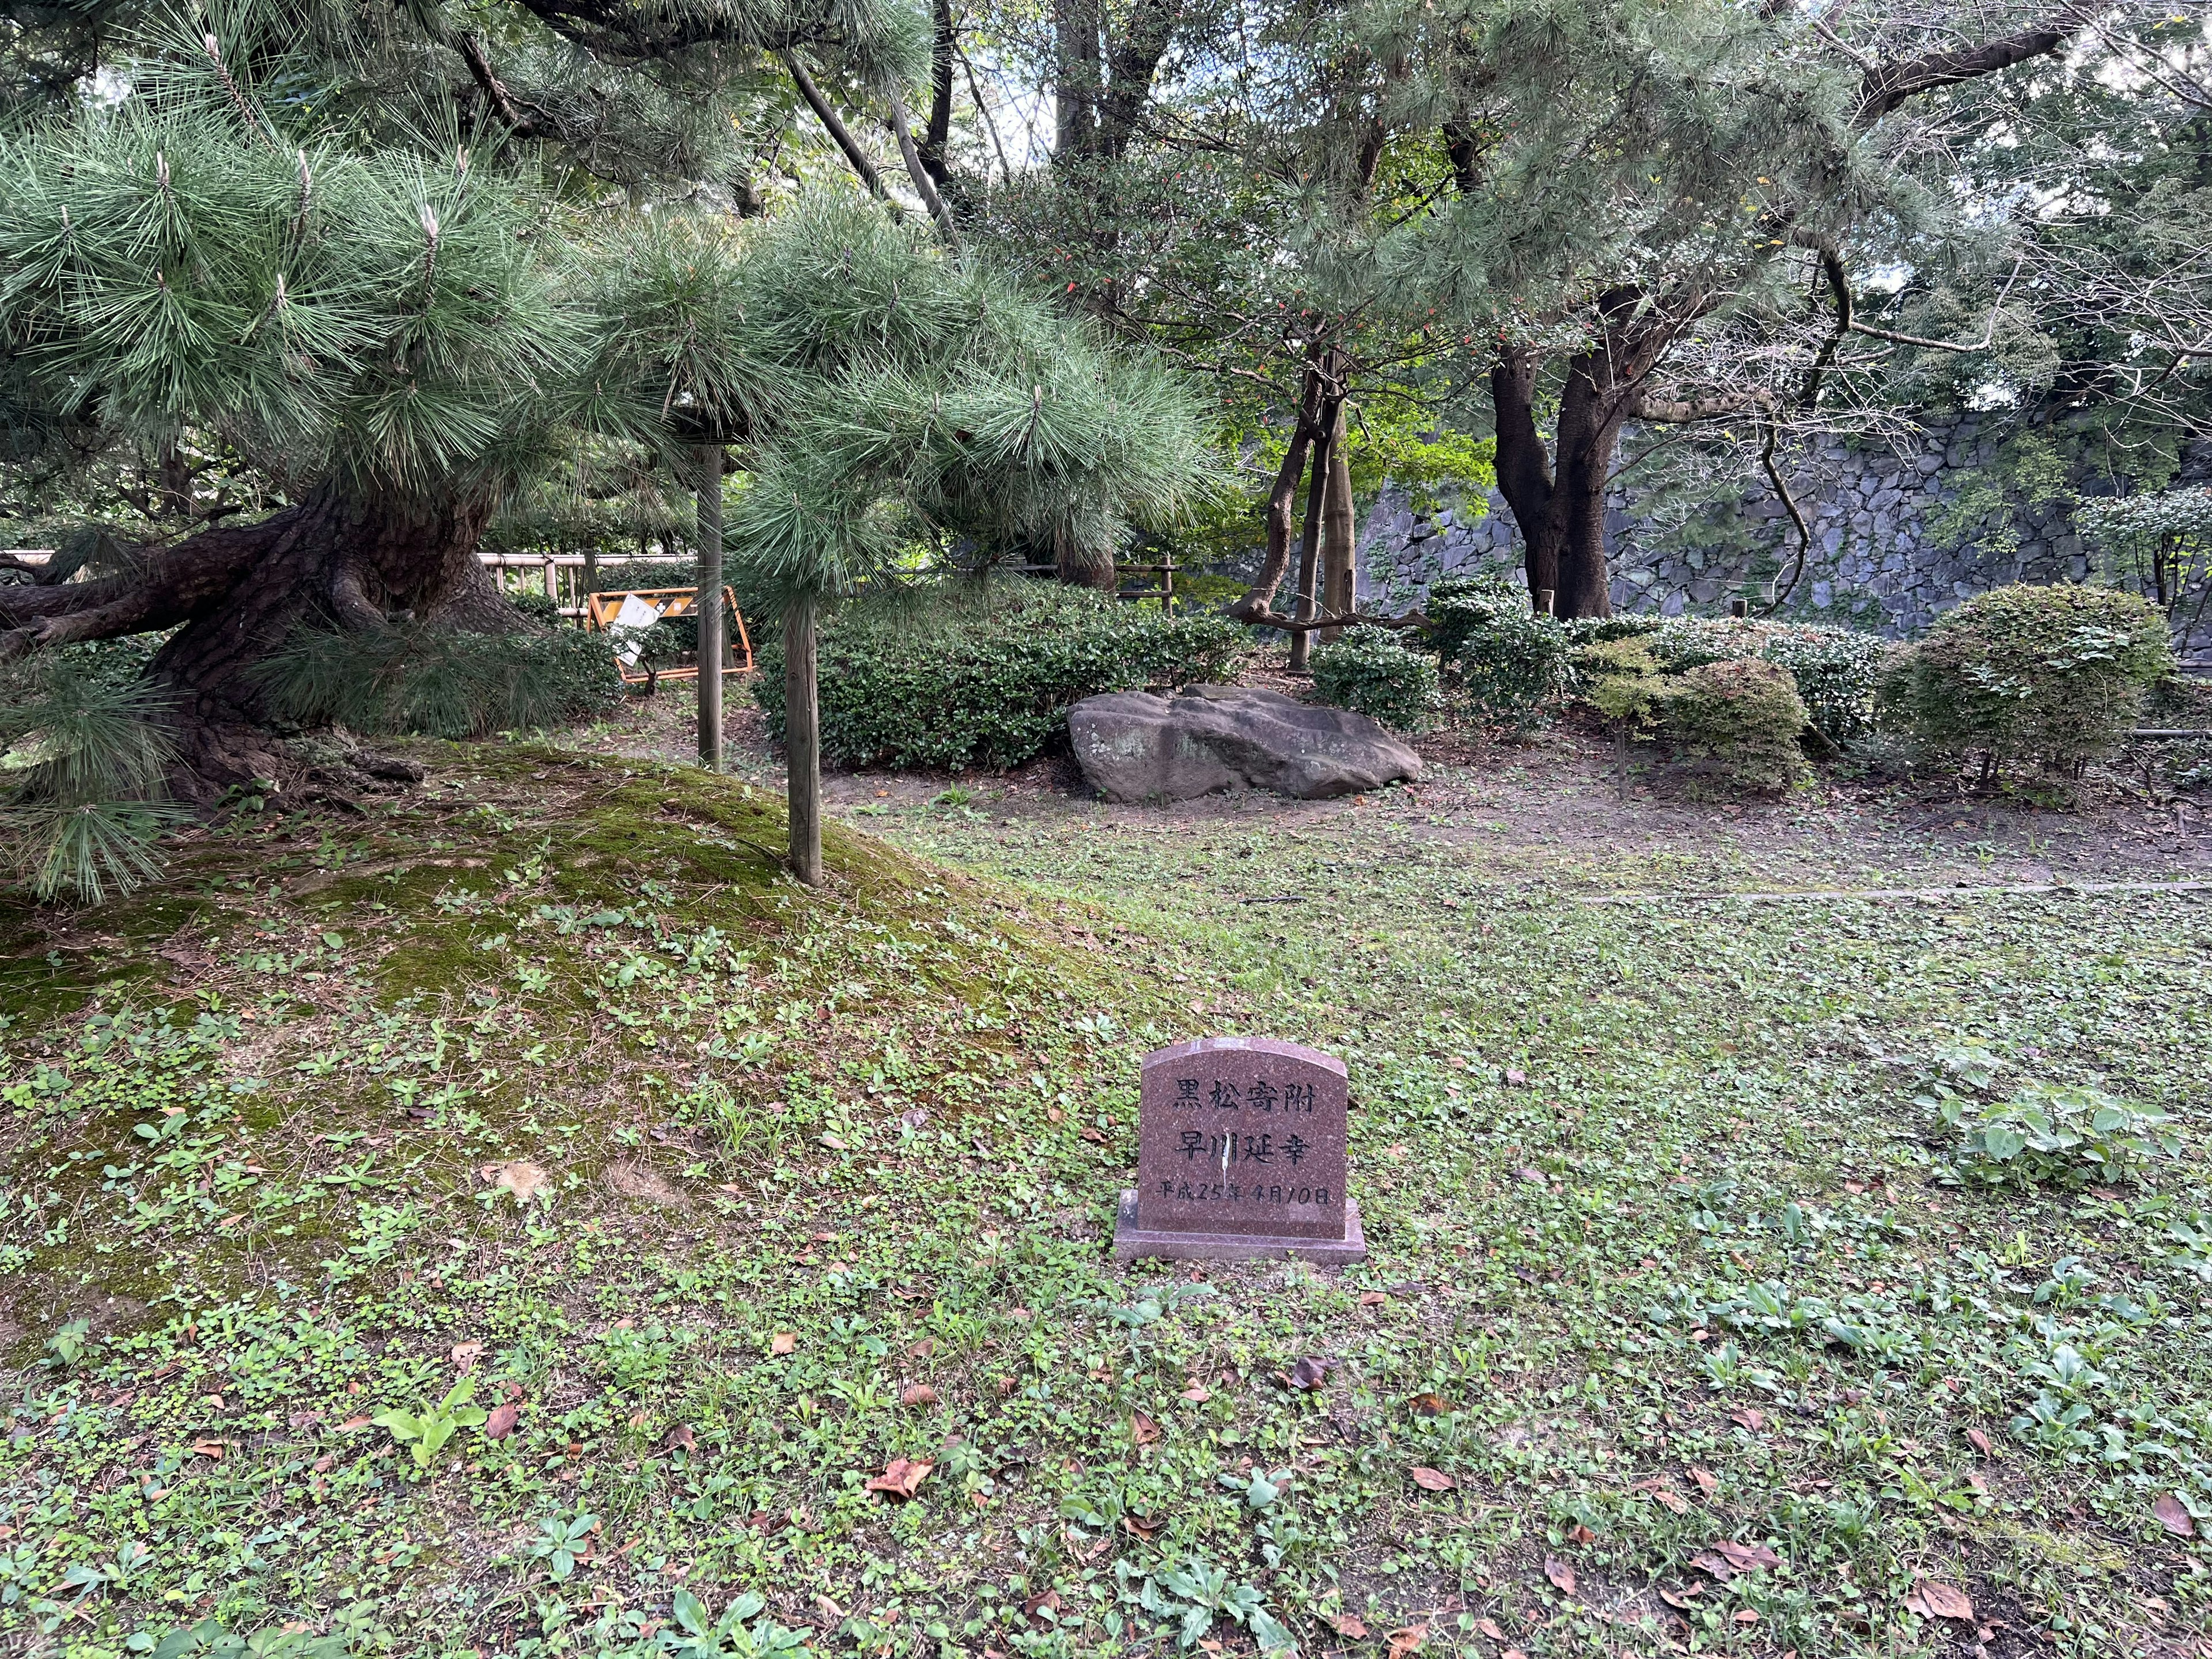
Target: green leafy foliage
1735, 724
440, 682
2055, 674
425, 1431
960, 674
2064, 1134
1371, 673
1621, 679
562, 1542
1512, 663
1839, 670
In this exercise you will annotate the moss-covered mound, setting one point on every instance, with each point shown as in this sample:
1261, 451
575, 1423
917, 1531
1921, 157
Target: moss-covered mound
526, 1084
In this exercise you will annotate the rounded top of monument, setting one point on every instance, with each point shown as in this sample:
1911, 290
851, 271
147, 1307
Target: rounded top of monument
1273, 1047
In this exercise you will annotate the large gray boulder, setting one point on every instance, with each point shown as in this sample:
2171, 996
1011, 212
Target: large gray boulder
1135, 746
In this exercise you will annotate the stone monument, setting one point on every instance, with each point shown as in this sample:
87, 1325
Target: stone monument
1240, 1155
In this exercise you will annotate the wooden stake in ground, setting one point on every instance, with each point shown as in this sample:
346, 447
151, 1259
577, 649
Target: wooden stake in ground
714, 626
1309, 541
802, 739
1340, 540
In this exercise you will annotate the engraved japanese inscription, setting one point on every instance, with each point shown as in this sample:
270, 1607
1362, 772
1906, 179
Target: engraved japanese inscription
1241, 1135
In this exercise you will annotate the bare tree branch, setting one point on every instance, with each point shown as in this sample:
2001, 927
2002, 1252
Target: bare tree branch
833, 125
1885, 86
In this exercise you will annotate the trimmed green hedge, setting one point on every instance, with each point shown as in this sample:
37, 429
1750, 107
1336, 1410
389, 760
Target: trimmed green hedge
1839, 670
1511, 663
965, 675
2056, 675
1371, 673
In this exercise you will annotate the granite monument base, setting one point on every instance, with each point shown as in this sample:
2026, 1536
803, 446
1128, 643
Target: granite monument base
1134, 1243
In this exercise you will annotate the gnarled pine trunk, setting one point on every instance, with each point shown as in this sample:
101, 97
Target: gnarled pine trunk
347, 558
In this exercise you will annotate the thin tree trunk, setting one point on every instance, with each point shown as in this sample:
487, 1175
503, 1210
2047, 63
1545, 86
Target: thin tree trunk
1310, 542
1524, 465
802, 740
711, 623
1589, 432
1282, 499
1340, 544
1076, 80
1082, 566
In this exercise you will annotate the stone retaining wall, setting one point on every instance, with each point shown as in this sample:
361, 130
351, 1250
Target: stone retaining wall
1875, 561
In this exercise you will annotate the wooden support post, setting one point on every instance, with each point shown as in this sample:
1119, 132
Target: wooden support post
1339, 542
712, 625
1310, 547
802, 740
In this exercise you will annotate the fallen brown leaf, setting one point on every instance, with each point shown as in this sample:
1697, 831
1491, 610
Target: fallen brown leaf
2173, 1517
353, 1422
1672, 1499
1561, 1575
1431, 1404
1306, 1374
1578, 1533
1372, 1299
1745, 1615
783, 1342
1685, 1597
1432, 1480
1198, 1394
500, 1423
1487, 1626
1749, 1417
1933, 1599
466, 1354
1708, 1482
1749, 1558
1142, 1429
517, 1176
1089, 1133
1408, 1640
917, 1394
900, 1478
1346, 1623
211, 1450
1980, 1443
1037, 1606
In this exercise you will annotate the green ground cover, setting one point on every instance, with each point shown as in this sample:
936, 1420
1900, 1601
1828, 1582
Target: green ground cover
536, 1094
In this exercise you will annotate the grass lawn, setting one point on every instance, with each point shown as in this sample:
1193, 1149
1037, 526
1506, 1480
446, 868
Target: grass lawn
536, 1094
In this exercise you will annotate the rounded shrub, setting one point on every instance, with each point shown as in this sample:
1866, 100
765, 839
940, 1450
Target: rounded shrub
966, 674
1371, 673
1733, 725
2054, 674
1511, 662
1839, 670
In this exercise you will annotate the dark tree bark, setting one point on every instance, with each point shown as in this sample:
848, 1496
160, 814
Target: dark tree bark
938, 132
1077, 78
1309, 597
1282, 506
352, 560
1557, 493
1084, 567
